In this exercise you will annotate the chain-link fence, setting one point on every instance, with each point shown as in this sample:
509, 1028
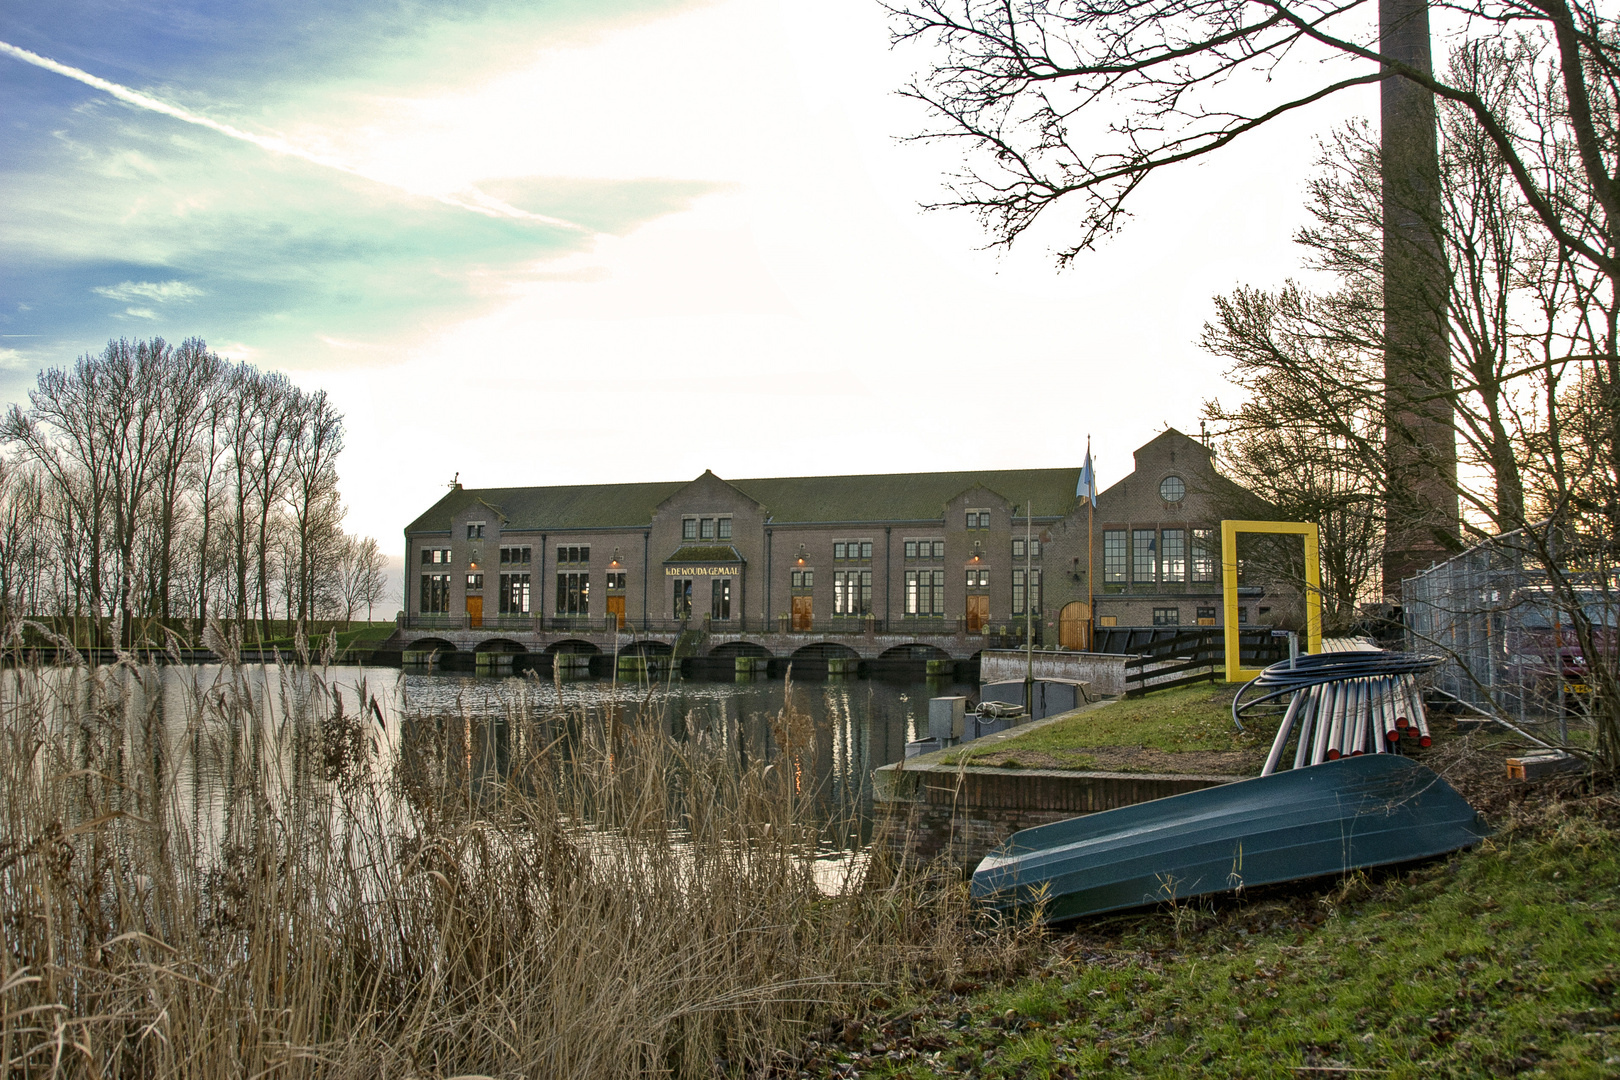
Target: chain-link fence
1506, 628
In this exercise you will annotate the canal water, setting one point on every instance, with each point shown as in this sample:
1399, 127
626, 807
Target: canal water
859, 723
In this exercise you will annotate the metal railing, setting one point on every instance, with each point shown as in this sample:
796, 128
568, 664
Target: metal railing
998, 632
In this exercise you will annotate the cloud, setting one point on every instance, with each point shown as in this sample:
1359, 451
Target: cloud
161, 292
466, 198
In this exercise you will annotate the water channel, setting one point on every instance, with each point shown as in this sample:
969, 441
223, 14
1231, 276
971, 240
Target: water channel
859, 723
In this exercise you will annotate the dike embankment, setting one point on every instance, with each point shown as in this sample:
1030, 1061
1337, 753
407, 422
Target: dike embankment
933, 805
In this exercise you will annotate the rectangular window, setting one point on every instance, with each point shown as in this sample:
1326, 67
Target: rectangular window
689, 528
1033, 587
925, 592
1018, 549
838, 549
435, 594
1144, 556
720, 599
706, 529
852, 592
1206, 616
798, 579
514, 598
1166, 616
1108, 620
616, 581
682, 604
573, 593
475, 530
475, 582
519, 555
978, 579
1206, 548
725, 528
1243, 614
911, 549
1034, 549
562, 556
939, 549
1173, 555
1114, 556
439, 556
866, 549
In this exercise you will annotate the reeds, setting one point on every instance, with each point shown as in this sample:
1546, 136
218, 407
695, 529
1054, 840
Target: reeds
556, 896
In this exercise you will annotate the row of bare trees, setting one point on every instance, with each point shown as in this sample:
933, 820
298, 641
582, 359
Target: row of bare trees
161, 482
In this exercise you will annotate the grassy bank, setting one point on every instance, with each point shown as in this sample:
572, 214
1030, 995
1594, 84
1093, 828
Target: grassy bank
1187, 730
194, 883
1495, 962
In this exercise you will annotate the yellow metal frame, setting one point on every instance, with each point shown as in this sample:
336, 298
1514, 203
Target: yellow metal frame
1229, 584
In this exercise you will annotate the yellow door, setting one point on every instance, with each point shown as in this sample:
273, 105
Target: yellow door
475, 611
616, 608
802, 618
978, 613
1074, 626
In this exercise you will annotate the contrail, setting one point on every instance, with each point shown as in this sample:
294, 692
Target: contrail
470, 199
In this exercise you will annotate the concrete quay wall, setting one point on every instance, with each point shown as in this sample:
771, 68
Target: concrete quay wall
1104, 671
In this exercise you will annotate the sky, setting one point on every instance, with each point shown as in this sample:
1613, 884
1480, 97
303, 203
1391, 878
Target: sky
585, 241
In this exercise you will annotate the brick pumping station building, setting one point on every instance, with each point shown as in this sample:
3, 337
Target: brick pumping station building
913, 564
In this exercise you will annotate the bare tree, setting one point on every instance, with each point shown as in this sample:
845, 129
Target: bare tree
360, 573
312, 483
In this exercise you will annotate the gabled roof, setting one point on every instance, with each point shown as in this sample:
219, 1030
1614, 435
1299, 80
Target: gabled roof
875, 497
582, 506
906, 496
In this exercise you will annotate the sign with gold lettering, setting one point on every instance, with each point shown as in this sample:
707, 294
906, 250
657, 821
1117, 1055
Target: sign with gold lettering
702, 571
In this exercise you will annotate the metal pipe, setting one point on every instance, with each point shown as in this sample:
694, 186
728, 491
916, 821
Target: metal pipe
1420, 722
1283, 731
1324, 723
1307, 725
1358, 735
1341, 697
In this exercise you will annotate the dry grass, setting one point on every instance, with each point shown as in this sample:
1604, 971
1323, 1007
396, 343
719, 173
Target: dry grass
612, 901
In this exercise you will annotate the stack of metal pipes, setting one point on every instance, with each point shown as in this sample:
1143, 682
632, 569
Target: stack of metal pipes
1349, 717
1341, 703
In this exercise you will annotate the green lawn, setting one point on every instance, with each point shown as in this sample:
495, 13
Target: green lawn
1496, 962
1145, 734
362, 638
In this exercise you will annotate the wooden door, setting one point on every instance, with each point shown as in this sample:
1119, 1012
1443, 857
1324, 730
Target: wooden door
475, 611
1074, 626
802, 617
978, 613
615, 606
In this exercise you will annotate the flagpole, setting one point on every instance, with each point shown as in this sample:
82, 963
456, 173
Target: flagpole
1091, 550
1029, 609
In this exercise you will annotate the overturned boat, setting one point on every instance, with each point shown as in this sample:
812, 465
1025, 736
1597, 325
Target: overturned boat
1343, 815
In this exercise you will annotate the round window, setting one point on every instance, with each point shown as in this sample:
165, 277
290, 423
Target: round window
1171, 489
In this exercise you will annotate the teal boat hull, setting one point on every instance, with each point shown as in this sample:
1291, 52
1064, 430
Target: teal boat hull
1328, 819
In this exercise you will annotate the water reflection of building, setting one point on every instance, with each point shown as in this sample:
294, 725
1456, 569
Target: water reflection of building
922, 553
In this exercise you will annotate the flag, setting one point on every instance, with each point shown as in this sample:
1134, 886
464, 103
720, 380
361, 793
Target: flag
1087, 487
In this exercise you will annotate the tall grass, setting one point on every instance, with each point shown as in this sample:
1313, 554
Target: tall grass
351, 901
